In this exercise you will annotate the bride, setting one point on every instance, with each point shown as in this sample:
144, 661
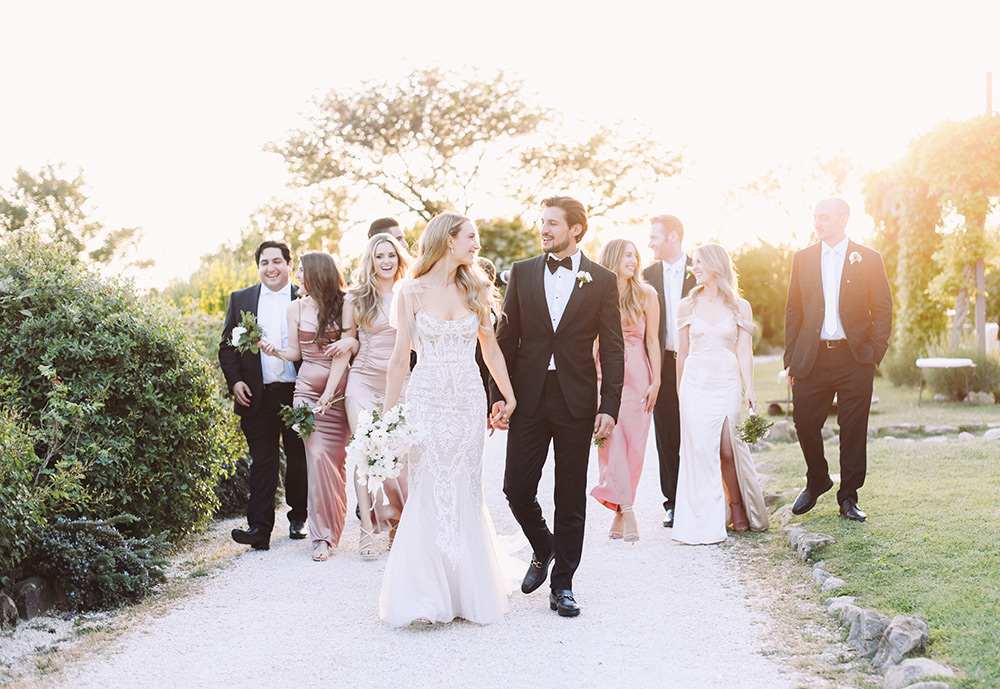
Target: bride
445, 563
714, 353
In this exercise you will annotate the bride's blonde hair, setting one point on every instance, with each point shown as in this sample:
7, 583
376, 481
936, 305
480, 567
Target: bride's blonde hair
477, 290
715, 260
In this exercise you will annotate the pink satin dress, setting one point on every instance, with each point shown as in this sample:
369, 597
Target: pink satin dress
326, 447
620, 460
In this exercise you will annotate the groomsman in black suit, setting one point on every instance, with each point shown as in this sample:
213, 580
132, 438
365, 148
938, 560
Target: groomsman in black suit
260, 385
670, 277
556, 305
838, 318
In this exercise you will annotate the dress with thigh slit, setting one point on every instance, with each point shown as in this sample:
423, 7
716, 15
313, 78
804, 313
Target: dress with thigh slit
711, 395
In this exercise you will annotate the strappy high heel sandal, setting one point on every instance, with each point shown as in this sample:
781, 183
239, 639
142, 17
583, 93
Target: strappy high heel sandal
630, 535
616, 526
739, 515
366, 545
321, 552
392, 535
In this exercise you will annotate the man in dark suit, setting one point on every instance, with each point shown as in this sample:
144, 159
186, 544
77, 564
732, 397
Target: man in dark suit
838, 318
260, 388
556, 305
670, 277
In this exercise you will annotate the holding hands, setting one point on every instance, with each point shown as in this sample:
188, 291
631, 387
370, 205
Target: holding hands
500, 415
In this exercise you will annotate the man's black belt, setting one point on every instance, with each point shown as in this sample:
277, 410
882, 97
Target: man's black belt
278, 386
832, 344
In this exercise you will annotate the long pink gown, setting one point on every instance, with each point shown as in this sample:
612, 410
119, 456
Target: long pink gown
620, 460
326, 452
366, 387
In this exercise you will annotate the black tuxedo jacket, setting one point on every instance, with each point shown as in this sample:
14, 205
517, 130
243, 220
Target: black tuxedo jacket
243, 367
865, 307
654, 276
527, 340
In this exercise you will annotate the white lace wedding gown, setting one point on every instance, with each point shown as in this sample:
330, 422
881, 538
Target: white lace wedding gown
445, 562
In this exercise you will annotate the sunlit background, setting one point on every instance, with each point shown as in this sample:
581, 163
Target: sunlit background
166, 108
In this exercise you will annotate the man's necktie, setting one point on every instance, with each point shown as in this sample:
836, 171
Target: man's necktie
830, 295
553, 263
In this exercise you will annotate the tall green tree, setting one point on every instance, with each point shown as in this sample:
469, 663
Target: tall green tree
764, 272
421, 142
57, 207
505, 241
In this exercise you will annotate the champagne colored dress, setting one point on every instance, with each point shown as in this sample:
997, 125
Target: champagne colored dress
365, 388
326, 452
710, 396
445, 562
620, 460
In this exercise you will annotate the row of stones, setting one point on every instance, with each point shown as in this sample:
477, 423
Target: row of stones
30, 598
888, 643
784, 432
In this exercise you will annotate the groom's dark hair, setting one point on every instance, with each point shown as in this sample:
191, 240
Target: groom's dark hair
271, 244
576, 214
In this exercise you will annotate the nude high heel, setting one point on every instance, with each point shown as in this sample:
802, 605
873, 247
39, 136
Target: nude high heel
740, 520
631, 534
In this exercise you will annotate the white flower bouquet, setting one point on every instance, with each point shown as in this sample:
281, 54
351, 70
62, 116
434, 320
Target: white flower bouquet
379, 444
247, 335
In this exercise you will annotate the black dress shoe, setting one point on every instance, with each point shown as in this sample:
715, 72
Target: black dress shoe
849, 510
297, 529
538, 570
253, 537
668, 519
562, 601
807, 499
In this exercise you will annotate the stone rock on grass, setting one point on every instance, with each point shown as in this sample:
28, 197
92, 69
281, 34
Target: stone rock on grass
939, 428
904, 636
770, 499
912, 669
793, 532
8, 612
783, 515
866, 632
929, 685
936, 439
808, 545
33, 597
828, 433
899, 429
838, 603
832, 583
992, 434
965, 435
820, 575
980, 398
781, 432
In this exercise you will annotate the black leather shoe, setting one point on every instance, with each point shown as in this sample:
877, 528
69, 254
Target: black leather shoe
849, 510
538, 571
807, 499
253, 537
668, 519
297, 529
562, 601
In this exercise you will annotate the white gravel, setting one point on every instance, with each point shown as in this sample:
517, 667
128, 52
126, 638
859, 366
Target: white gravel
653, 613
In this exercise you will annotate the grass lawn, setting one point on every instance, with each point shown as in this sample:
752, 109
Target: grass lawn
931, 545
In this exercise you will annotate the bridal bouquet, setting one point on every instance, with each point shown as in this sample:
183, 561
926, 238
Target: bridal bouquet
380, 440
247, 335
754, 429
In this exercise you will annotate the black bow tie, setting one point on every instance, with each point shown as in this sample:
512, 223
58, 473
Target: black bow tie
553, 263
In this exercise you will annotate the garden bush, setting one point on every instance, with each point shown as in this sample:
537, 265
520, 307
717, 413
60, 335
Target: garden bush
21, 510
899, 364
985, 377
95, 565
114, 387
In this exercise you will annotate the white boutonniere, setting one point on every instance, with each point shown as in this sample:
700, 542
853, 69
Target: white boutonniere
583, 277
855, 257
688, 273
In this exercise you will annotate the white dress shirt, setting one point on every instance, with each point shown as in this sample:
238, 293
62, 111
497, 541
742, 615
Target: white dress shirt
832, 266
558, 289
673, 286
271, 308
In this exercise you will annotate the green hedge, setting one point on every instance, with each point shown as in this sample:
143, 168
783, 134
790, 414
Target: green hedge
21, 509
114, 388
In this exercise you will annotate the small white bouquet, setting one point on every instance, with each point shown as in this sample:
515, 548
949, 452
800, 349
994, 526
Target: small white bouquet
380, 441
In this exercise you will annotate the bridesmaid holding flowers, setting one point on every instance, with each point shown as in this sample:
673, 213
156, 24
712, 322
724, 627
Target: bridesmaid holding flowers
314, 323
620, 456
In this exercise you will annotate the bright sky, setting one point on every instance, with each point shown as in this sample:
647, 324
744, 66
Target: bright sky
166, 108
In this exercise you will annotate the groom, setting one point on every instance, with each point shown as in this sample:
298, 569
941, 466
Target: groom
556, 305
838, 318
259, 389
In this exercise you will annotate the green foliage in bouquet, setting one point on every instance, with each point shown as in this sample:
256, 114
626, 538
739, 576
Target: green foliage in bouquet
247, 334
95, 564
300, 419
754, 429
125, 414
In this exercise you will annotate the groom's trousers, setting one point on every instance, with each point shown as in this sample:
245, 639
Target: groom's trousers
836, 371
527, 448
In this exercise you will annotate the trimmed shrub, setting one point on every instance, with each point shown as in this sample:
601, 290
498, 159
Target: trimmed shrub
113, 385
21, 511
899, 364
95, 565
985, 377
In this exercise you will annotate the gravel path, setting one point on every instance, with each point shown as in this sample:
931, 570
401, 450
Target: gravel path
652, 612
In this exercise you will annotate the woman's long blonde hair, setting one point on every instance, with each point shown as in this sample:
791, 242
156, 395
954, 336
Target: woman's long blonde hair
367, 298
715, 259
632, 301
471, 281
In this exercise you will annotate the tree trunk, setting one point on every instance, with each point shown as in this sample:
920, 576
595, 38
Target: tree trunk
981, 306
